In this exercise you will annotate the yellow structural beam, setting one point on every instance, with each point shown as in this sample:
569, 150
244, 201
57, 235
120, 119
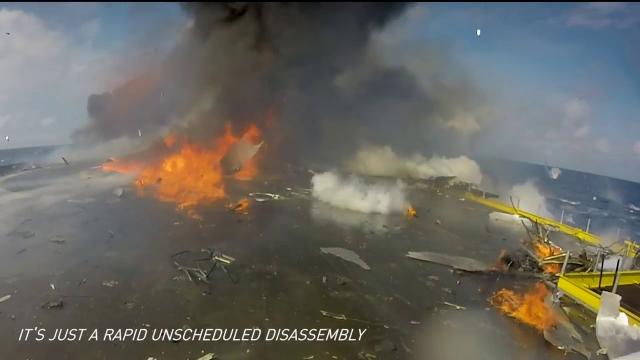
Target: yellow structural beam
578, 286
569, 230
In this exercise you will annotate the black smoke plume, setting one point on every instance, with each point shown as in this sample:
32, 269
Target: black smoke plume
302, 72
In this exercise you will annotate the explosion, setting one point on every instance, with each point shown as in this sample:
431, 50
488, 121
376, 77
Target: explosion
528, 308
191, 174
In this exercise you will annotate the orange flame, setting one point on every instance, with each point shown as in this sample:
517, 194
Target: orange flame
411, 212
528, 308
190, 174
241, 207
543, 250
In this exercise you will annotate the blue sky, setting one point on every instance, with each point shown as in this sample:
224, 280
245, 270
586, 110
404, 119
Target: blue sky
560, 82
564, 79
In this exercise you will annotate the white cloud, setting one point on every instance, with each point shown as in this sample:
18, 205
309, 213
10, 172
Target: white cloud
575, 111
46, 76
602, 15
30, 55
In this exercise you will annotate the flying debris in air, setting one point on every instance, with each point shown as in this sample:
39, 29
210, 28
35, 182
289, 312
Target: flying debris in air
6, 138
553, 172
478, 32
139, 133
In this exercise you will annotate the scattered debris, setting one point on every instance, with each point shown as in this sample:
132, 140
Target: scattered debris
241, 207
347, 255
413, 322
238, 155
53, 287
613, 330
344, 317
209, 356
55, 304
119, 192
331, 315
65, 160
457, 307
411, 212
21, 251
456, 262
56, 239
5, 298
563, 335
366, 356
438, 222
260, 196
217, 260
110, 283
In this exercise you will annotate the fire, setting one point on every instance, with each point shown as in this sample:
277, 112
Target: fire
250, 168
528, 308
191, 173
543, 250
241, 207
411, 212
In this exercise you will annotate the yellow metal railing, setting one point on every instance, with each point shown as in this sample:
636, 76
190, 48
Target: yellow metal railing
569, 230
578, 286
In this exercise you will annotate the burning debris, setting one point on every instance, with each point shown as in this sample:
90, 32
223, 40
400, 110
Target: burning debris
529, 308
411, 212
190, 174
241, 207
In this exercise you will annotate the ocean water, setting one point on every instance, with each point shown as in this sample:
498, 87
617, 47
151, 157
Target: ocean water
612, 205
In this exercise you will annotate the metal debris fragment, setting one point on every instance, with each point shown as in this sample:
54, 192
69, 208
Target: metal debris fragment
56, 239
346, 255
5, 298
110, 283
209, 356
217, 260
119, 192
332, 315
65, 160
457, 307
262, 196
456, 262
55, 304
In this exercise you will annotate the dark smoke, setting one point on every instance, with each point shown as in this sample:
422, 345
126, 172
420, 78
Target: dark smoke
303, 72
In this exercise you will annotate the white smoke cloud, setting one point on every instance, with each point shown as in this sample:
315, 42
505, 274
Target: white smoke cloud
526, 196
382, 161
353, 193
